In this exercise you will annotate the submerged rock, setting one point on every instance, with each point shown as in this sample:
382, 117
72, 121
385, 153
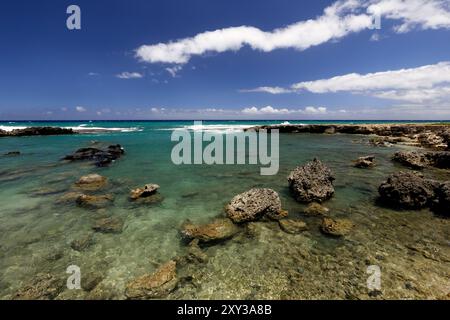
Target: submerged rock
91, 182
253, 205
407, 190
195, 253
108, 225
365, 162
12, 153
219, 229
90, 280
156, 285
311, 182
43, 287
316, 209
95, 202
147, 191
101, 157
69, 197
82, 243
336, 227
292, 226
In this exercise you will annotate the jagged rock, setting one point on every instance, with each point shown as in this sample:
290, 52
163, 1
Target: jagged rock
365, 162
147, 191
43, 287
95, 202
253, 205
156, 285
439, 159
219, 229
414, 160
101, 158
82, 243
442, 203
316, 209
108, 225
407, 190
91, 182
311, 182
336, 227
278, 215
292, 226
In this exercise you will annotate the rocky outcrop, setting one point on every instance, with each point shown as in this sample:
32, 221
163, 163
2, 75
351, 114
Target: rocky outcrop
43, 287
442, 203
253, 205
91, 182
365, 162
219, 229
420, 160
311, 182
292, 226
156, 285
407, 190
12, 154
95, 202
36, 131
147, 191
336, 227
100, 157
108, 225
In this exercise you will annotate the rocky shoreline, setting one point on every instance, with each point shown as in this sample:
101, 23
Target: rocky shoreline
435, 136
37, 131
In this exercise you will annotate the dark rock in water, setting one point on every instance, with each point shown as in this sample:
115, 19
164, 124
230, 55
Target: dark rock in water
82, 243
278, 215
311, 182
108, 225
95, 202
156, 285
253, 205
442, 202
36, 131
219, 229
365, 162
69, 197
407, 190
43, 287
336, 227
292, 226
12, 153
91, 182
439, 159
101, 157
316, 209
147, 191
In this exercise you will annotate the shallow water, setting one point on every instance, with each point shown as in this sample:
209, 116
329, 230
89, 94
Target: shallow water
411, 247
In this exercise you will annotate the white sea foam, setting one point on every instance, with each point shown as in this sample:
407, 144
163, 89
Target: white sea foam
213, 128
81, 128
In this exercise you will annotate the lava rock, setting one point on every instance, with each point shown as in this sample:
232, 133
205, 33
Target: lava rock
315, 209
414, 160
311, 182
253, 205
82, 243
91, 182
365, 162
147, 191
336, 227
101, 157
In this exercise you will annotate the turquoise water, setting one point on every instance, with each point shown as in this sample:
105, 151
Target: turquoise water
36, 230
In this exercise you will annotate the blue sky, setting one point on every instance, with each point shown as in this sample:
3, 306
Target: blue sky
141, 59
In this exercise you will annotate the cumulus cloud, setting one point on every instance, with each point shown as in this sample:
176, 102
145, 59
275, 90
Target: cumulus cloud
129, 75
314, 110
342, 18
80, 109
430, 83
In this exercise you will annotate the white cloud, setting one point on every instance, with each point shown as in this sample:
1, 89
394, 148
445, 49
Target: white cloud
314, 110
174, 70
93, 74
342, 18
129, 75
271, 90
80, 109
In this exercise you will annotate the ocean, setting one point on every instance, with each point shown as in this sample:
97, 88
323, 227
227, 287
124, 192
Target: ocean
36, 230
